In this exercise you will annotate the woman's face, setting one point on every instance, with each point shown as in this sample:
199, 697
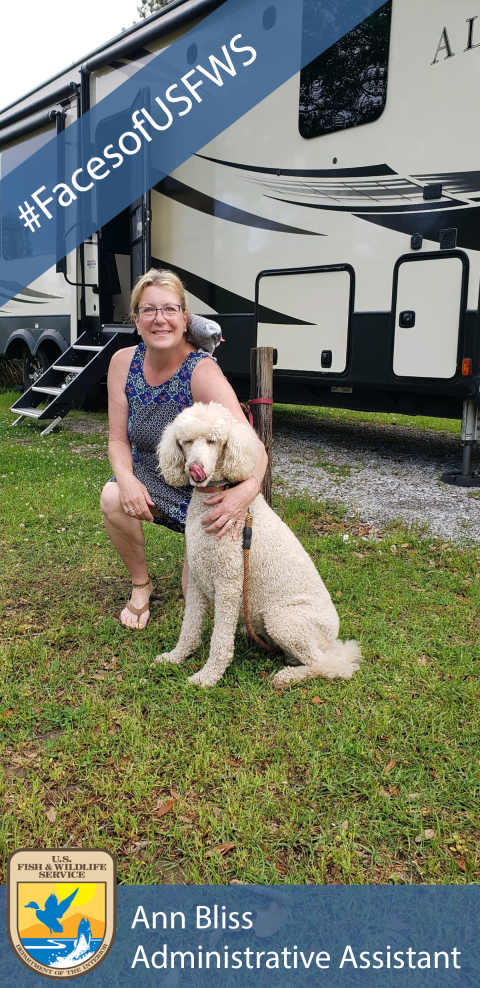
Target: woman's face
164, 329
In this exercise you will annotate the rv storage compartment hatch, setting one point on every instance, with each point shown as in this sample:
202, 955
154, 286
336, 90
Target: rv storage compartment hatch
432, 291
305, 314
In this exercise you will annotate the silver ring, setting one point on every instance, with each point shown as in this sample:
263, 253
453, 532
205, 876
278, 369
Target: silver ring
230, 521
129, 510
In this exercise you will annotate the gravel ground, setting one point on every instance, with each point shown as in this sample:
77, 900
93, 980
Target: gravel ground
381, 473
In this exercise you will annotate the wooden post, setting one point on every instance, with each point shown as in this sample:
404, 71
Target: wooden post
261, 386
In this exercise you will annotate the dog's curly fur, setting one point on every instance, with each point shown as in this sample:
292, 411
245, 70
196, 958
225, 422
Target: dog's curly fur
289, 604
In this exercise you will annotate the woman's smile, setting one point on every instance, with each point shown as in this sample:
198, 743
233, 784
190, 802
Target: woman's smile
163, 327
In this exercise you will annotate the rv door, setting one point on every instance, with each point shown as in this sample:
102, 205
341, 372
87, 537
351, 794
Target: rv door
429, 299
305, 314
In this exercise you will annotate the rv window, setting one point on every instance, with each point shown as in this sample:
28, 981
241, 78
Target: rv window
16, 240
347, 84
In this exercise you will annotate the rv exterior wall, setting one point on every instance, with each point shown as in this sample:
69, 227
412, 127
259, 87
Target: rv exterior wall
261, 196
409, 137
42, 320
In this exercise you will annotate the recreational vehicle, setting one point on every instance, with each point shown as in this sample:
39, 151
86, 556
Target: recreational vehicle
338, 222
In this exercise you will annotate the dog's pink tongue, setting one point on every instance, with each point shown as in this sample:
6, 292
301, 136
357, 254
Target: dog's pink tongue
197, 472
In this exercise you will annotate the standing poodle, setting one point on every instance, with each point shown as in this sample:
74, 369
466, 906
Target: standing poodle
289, 604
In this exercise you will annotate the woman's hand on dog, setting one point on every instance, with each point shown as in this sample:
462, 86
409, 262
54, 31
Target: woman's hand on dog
230, 508
135, 499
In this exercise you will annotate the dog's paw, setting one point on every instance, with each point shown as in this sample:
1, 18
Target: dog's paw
198, 680
168, 657
282, 679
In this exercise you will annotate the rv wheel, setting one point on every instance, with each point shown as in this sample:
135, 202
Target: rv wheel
34, 367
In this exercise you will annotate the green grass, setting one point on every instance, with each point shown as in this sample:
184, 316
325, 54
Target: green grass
325, 782
312, 414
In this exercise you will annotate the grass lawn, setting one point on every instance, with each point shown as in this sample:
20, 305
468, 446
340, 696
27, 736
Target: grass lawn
288, 414
373, 780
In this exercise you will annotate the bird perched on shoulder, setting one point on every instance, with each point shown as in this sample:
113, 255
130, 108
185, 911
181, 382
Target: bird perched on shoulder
204, 333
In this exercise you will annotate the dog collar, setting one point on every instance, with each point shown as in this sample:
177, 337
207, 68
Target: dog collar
217, 488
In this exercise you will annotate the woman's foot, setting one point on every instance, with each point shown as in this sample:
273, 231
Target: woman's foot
136, 613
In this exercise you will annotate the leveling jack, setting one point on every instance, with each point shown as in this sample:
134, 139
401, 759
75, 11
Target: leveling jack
469, 436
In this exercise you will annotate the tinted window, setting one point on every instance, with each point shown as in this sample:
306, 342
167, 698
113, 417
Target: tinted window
347, 84
20, 152
16, 239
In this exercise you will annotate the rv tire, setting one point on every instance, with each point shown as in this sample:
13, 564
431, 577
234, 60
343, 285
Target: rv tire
34, 366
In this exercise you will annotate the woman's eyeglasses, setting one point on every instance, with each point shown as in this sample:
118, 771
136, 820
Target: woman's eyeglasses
149, 311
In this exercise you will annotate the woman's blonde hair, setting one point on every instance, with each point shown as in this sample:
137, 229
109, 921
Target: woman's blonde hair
160, 279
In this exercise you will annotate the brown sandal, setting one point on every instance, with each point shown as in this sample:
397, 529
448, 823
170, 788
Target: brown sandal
138, 611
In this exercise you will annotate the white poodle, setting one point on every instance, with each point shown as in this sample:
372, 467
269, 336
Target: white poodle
289, 604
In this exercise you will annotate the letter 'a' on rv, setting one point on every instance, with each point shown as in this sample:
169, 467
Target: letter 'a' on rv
344, 232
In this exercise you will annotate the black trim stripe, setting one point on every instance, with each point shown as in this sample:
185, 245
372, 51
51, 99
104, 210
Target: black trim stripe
16, 287
31, 301
371, 190
307, 172
410, 208
179, 192
466, 221
223, 301
456, 182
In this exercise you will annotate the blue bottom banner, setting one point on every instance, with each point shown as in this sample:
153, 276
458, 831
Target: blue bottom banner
247, 935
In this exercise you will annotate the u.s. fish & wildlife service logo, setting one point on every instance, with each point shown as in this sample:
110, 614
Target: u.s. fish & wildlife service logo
61, 912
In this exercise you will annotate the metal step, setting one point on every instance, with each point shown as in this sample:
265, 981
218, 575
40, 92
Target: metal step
48, 390
83, 346
69, 393
33, 413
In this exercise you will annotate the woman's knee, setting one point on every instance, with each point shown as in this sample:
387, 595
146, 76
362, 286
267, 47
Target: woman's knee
110, 499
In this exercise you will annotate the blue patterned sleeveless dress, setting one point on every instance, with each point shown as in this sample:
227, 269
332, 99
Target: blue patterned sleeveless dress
151, 409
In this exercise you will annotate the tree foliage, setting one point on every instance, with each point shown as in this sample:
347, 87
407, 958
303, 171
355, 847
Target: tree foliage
150, 6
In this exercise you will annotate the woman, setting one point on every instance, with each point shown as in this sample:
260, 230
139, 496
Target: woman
148, 386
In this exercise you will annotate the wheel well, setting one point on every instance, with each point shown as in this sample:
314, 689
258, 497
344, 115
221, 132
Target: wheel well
15, 349
50, 349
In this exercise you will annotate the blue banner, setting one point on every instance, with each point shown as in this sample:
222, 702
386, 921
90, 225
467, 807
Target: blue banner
153, 122
288, 935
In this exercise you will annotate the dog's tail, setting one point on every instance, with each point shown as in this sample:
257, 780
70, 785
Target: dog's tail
340, 659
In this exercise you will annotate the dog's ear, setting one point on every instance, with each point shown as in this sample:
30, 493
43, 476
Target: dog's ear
170, 457
240, 452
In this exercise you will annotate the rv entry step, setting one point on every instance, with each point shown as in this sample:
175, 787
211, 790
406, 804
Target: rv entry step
68, 380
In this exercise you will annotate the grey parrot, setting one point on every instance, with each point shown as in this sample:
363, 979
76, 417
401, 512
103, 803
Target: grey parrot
204, 333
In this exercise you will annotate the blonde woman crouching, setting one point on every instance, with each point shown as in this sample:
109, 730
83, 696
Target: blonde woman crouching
148, 386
